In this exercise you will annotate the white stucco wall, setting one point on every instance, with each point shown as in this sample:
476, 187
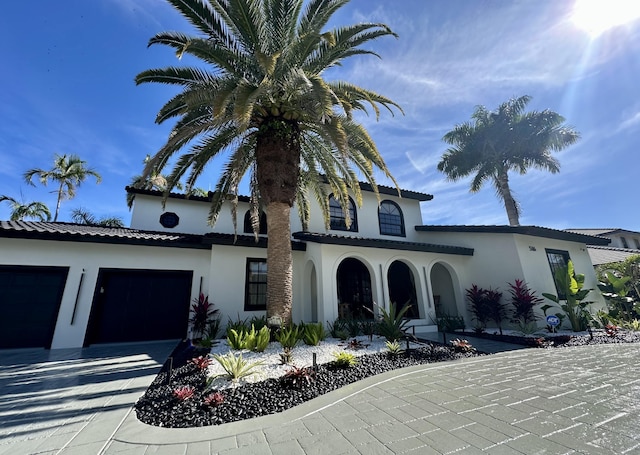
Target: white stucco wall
193, 215
500, 259
89, 258
226, 286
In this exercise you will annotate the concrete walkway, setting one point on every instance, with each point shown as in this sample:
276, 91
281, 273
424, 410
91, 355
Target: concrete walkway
555, 401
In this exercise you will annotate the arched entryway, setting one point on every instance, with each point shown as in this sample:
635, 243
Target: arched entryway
443, 294
402, 288
355, 298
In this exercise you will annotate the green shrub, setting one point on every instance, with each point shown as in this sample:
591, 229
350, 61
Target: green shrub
288, 336
258, 322
353, 327
570, 285
392, 323
344, 359
235, 339
249, 338
369, 328
313, 334
394, 348
448, 323
262, 339
235, 368
239, 325
339, 325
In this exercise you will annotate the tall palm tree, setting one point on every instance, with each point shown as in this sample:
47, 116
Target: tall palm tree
22, 210
508, 139
68, 172
263, 102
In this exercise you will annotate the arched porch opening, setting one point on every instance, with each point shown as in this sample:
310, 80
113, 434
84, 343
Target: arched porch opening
443, 294
402, 288
355, 298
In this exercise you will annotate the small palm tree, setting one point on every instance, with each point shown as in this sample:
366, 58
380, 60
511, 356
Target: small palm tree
22, 210
507, 139
68, 172
83, 216
265, 103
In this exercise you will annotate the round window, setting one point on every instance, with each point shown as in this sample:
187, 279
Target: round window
169, 220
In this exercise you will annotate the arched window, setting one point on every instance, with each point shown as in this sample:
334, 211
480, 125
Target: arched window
390, 219
337, 219
248, 229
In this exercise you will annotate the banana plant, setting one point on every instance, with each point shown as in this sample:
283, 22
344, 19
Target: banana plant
616, 291
571, 299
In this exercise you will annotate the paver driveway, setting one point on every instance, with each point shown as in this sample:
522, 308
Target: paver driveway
532, 401
71, 400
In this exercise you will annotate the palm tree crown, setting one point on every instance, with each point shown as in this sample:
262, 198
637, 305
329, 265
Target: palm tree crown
22, 210
508, 139
68, 172
265, 104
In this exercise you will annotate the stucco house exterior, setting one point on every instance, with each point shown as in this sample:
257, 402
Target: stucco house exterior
67, 285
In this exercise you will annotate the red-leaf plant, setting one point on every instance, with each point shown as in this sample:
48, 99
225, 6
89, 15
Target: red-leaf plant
183, 392
214, 399
523, 300
202, 313
201, 362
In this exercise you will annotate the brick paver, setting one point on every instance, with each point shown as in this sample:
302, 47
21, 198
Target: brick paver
554, 401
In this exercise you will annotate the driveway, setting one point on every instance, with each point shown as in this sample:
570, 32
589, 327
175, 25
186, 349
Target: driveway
71, 400
581, 400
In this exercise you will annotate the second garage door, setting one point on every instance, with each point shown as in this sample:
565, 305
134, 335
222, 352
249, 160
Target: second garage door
139, 305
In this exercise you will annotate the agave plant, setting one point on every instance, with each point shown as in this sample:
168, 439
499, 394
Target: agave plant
235, 367
392, 323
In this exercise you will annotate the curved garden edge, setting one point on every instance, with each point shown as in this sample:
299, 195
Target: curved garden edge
134, 431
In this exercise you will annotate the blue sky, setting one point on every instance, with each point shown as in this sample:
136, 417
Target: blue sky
67, 87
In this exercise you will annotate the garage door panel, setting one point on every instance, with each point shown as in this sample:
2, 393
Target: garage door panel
30, 299
140, 305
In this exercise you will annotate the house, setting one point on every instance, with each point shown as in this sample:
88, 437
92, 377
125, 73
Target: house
67, 285
624, 244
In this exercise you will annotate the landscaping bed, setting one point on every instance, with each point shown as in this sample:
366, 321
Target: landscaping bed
160, 405
598, 336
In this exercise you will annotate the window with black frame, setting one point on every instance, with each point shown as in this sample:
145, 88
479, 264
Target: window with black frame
390, 219
337, 219
248, 228
557, 260
255, 294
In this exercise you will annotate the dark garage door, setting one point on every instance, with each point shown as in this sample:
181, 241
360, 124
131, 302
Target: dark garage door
139, 305
30, 299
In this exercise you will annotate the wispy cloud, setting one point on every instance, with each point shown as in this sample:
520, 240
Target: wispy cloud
630, 122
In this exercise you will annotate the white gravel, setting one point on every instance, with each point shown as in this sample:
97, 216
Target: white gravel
302, 357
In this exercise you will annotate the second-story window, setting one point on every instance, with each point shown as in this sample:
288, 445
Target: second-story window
248, 229
390, 219
624, 242
338, 220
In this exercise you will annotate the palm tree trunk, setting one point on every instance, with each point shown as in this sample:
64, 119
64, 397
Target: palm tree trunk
55, 218
510, 203
278, 170
280, 264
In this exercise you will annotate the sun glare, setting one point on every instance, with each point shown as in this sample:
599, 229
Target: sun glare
597, 16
